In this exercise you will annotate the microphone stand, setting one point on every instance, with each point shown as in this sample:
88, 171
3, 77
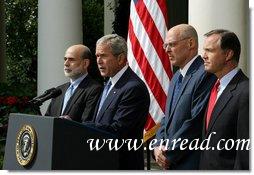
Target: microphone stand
36, 108
37, 102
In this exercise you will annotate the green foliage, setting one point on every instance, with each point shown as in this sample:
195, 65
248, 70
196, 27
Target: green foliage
13, 99
93, 29
2, 144
21, 40
122, 13
21, 51
93, 20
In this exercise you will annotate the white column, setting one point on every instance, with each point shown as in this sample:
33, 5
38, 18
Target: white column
109, 15
59, 26
2, 44
206, 15
251, 5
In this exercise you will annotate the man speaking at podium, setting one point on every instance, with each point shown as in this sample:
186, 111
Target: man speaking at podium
80, 95
124, 104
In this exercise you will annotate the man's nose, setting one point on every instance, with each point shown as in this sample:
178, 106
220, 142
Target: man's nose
168, 49
204, 56
66, 62
98, 60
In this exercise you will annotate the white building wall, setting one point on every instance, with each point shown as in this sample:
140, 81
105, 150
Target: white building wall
206, 15
59, 26
109, 16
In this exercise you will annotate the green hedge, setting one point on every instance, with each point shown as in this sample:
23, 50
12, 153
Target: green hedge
21, 19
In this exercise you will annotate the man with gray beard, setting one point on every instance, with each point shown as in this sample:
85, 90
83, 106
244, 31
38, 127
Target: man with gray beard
80, 95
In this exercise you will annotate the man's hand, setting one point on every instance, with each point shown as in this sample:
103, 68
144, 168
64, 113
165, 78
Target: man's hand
160, 157
65, 117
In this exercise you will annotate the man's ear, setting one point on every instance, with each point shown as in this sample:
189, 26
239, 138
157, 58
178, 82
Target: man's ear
191, 43
229, 54
121, 59
86, 63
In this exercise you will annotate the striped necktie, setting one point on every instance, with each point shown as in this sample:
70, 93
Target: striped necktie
104, 94
67, 96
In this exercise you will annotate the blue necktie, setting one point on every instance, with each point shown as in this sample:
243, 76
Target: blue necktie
104, 94
177, 90
67, 96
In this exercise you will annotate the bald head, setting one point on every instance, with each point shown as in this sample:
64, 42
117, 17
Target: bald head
181, 44
185, 31
82, 51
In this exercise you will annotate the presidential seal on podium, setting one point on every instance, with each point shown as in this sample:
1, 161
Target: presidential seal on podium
26, 144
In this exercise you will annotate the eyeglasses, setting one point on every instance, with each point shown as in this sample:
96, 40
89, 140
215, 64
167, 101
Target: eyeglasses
173, 43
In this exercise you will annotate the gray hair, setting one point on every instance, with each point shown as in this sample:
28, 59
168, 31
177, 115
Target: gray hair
116, 43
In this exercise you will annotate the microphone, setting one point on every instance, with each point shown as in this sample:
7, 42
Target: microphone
44, 94
51, 93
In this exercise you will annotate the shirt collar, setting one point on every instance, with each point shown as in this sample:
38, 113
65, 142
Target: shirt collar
117, 76
184, 70
77, 81
228, 77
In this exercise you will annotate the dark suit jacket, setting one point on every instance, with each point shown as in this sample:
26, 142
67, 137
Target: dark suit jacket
81, 105
124, 113
184, 120
230, 120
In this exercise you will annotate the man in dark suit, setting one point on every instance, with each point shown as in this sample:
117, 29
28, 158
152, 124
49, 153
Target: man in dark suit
80, 95
187, 97
124, 104
227, 113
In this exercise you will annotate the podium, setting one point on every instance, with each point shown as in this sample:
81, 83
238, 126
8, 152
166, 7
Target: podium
48, 143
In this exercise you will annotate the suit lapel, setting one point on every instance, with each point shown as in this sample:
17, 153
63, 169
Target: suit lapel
76, 94
61, 100
219, 106
96, 109
193, 68
224, 99
185, 82
169, 99
113, 93
72, 100
171, 108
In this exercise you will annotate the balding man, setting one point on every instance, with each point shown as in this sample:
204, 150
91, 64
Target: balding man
187, 98
80, 95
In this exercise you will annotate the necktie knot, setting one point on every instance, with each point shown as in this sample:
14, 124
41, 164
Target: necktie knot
107, 87
71, 89
217, 84
180, 79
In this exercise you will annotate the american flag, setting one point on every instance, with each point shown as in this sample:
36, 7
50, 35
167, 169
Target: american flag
146, 56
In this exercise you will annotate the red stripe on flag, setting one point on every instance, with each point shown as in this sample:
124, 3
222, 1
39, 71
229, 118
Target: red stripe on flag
154, 36
163, 6
146, 69
149, 123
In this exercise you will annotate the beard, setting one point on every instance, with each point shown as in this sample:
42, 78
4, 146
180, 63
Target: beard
73, 74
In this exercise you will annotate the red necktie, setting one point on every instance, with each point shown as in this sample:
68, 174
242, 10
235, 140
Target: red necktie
212, 101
